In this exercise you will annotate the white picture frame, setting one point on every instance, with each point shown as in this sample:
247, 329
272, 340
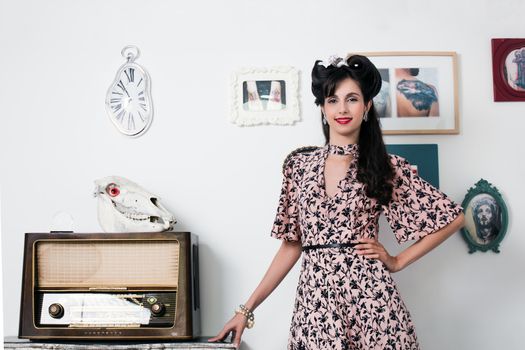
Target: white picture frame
265, 96
438, 70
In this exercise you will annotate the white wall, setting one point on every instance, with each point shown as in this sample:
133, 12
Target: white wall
1, 281
57, 59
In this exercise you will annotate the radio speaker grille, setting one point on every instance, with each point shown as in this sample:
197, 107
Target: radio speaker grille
107, 264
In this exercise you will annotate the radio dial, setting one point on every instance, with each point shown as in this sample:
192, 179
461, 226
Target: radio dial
56, 310
158, 309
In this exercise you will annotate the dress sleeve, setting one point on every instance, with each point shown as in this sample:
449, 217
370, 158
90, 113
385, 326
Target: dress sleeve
417, 208
286, 226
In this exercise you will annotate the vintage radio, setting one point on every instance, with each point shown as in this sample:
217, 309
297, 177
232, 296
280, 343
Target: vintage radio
110, 286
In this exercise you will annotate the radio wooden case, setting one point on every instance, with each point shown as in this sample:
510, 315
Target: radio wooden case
134, 286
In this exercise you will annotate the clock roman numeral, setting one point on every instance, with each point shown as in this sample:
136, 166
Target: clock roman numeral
120, 116
140, 115
139, 82
116, 107
130, 75
131, 121
121, 85
115, 100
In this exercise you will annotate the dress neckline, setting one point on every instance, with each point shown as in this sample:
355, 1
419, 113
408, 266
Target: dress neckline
350, 149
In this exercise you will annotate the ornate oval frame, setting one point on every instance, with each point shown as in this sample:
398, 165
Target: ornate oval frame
486, 217
501, 48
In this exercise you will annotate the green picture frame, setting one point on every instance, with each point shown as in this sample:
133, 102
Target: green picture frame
486, 218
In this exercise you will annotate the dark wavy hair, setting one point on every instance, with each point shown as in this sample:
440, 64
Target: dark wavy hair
374, 167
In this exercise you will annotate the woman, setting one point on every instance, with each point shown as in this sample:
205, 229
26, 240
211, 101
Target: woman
329, 208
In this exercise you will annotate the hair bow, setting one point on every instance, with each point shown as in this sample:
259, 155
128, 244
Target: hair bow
335, 61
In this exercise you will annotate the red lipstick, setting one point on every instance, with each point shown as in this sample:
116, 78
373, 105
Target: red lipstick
343, 120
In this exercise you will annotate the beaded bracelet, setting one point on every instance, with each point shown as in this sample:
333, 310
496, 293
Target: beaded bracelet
243, 310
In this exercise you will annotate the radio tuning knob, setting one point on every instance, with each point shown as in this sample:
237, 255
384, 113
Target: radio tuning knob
56, 310
158, 309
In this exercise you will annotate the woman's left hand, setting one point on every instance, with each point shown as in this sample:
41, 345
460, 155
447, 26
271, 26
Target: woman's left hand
371, 248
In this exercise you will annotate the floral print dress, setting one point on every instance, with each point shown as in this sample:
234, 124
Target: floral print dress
345, 300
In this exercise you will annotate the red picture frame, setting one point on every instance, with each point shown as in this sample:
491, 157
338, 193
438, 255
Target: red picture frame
508, 69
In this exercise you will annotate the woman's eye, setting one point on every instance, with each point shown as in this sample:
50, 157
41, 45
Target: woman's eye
331, 100
352, 99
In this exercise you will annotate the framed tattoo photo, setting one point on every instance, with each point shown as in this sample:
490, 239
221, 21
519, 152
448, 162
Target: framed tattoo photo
418, 93
265, 96
486, 217
508, 69
422, 157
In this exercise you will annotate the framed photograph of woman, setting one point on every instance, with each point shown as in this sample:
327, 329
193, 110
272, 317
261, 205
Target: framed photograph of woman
508, 69
418, 93
265, 96
486, 218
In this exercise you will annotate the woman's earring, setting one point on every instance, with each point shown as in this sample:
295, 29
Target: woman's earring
324, 121
365, 116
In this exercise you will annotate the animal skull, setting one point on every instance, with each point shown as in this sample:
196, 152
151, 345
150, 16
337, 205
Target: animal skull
123, 206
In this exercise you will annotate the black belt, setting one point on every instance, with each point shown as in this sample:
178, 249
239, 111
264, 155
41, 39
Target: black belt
331, 245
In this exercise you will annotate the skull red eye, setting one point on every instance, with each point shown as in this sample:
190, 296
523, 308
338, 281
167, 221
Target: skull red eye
113, 190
